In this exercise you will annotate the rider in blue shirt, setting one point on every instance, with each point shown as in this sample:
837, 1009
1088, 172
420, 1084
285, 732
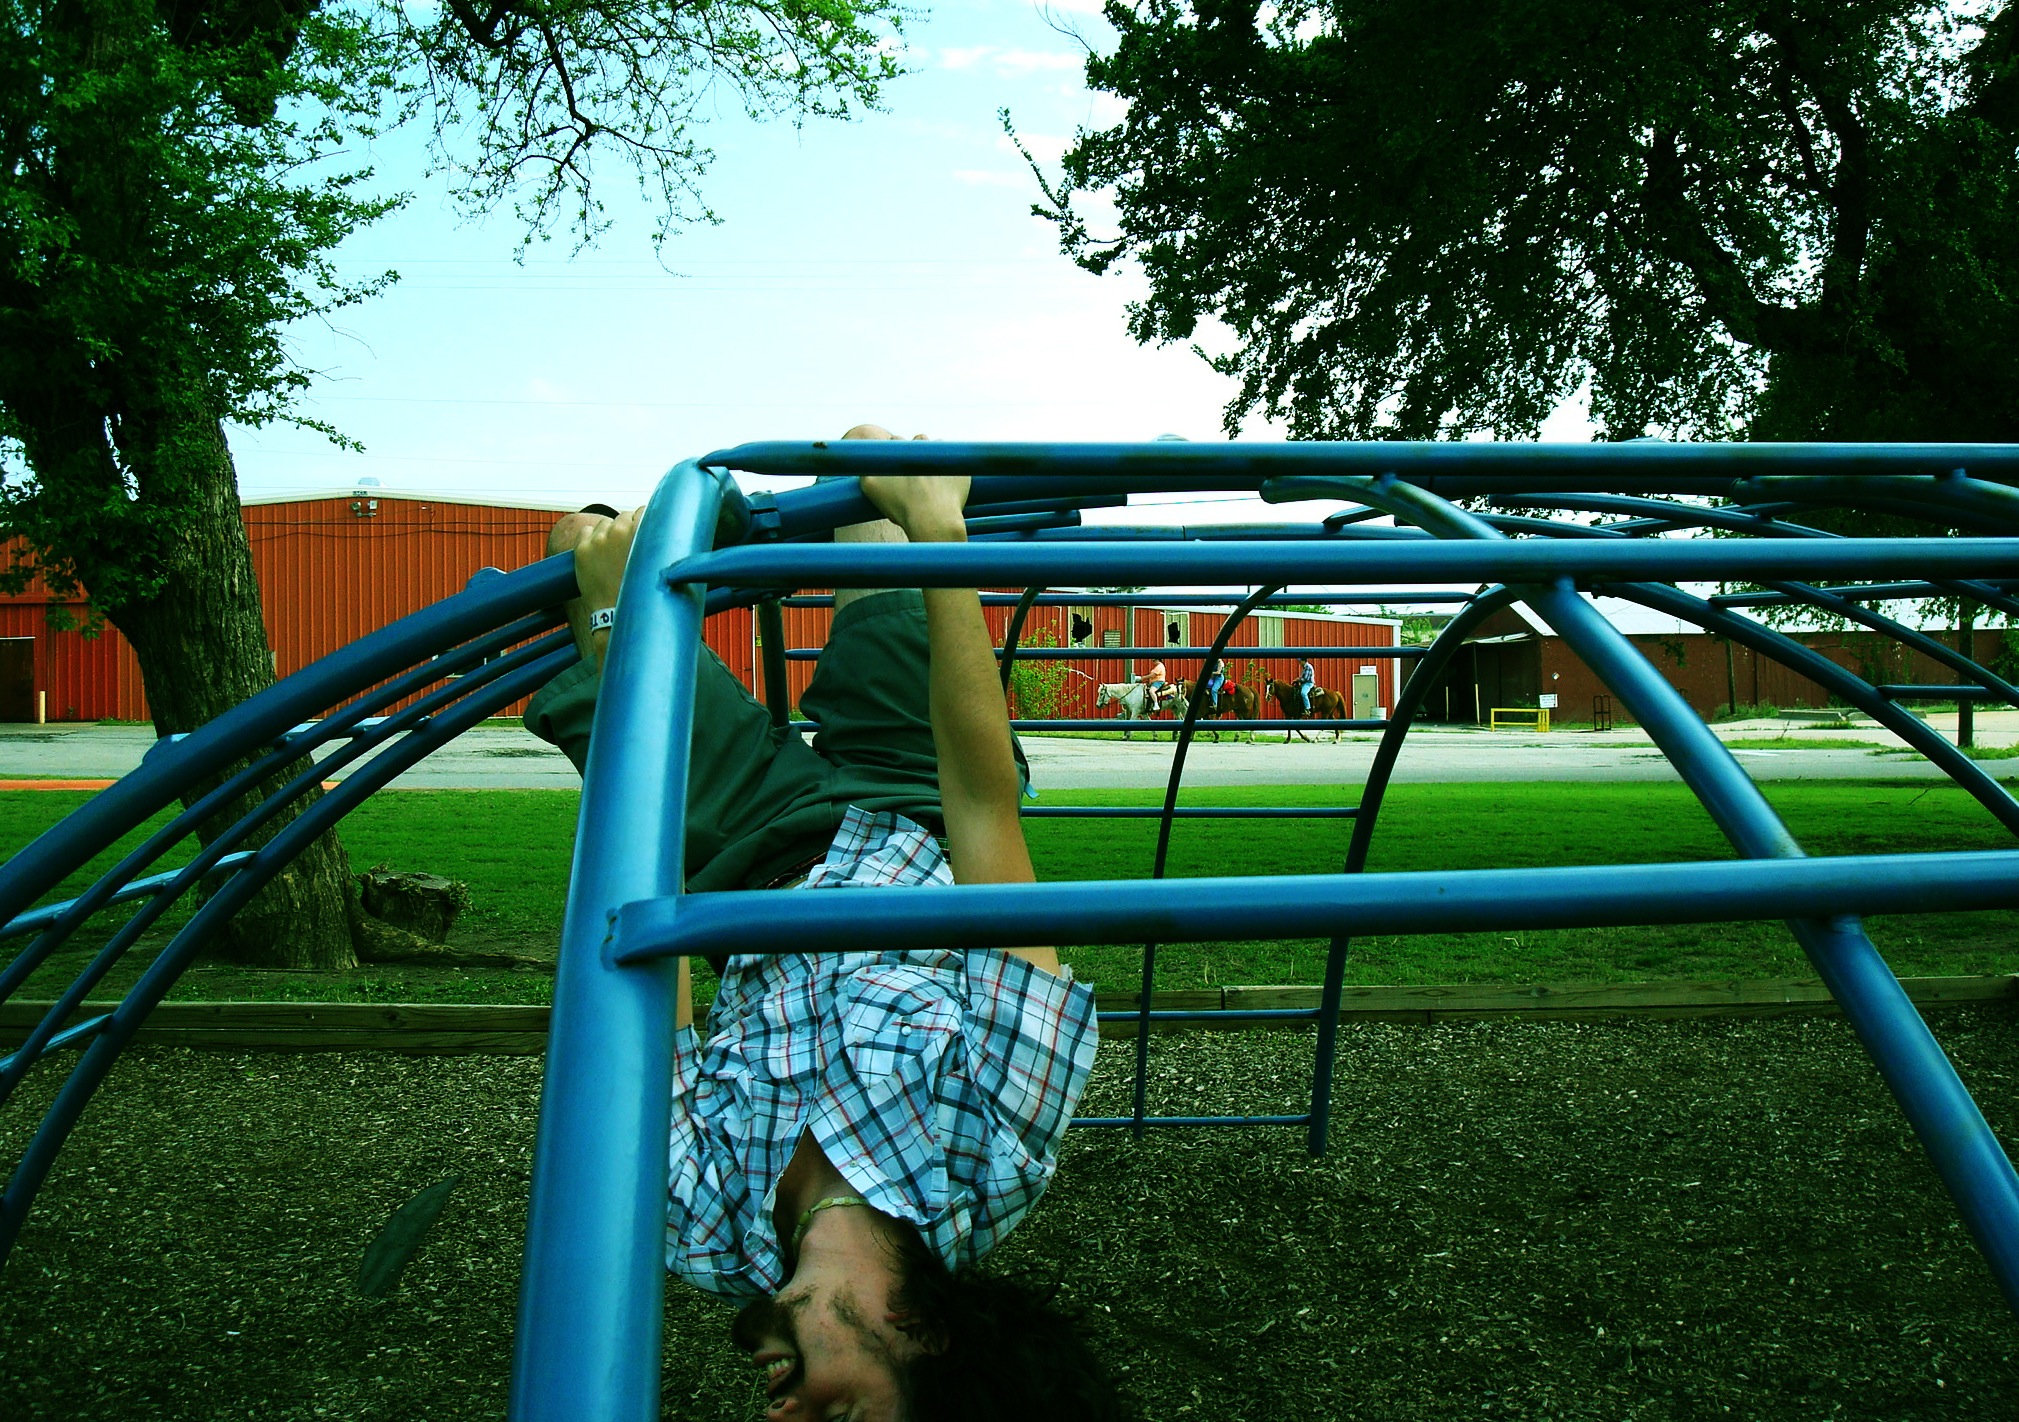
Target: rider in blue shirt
1214, 677
1306, 679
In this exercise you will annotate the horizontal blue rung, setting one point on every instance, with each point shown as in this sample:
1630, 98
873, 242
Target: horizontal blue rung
1237, 464
1053, 654
1213, 1014
1202, 812
1303, 1120
1861, 592
1530, 560
35, 920
68, 1037
1938, 693
1317, 905
1205, 723
1155, 601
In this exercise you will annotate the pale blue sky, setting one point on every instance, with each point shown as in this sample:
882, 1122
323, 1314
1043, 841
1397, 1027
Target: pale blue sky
886, 269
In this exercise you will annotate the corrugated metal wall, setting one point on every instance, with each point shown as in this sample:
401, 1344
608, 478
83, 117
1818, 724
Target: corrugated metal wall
1145, 626
333, 569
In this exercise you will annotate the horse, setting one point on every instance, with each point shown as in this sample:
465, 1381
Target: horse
1326, 705
1236, 700
1134, 699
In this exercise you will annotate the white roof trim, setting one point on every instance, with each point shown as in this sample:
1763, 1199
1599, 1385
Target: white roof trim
416, 496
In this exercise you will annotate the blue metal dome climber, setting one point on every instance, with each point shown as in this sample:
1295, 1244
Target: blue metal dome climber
588, 1339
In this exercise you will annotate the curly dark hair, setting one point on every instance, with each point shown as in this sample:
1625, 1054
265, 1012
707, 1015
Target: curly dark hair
1001, 1347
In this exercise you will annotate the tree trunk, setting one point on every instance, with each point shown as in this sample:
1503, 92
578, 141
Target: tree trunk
202, 645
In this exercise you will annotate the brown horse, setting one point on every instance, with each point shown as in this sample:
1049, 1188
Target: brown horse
1326, 705
1236, 700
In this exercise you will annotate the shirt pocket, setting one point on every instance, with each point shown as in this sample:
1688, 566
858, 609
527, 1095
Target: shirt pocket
896, 1023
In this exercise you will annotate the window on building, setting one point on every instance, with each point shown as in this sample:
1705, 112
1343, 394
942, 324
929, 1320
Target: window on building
1177, 629
1269, 629
1080, 627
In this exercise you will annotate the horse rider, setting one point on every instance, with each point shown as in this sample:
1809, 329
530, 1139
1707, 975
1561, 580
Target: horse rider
1306, 680
851, 1132
1158, 685
1212, 677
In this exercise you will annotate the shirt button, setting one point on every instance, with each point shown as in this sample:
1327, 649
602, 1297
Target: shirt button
904, 1030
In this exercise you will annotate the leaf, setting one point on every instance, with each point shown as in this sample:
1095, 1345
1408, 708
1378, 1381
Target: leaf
398, 1242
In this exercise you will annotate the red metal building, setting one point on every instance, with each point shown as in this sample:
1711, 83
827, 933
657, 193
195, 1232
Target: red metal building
335, 565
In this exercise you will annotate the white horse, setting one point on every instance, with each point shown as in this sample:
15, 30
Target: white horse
1134, 699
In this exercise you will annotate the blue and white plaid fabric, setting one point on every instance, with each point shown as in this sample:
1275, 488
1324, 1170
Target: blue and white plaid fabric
937, 1083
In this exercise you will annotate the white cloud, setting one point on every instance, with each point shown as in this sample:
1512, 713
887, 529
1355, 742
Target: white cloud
990, 178
1019, 62
1011, 63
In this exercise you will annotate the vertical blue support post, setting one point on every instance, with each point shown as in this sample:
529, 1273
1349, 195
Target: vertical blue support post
592, 1291
1448, 642
771, 636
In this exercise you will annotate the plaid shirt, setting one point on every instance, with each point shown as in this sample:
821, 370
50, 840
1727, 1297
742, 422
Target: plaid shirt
937, 1083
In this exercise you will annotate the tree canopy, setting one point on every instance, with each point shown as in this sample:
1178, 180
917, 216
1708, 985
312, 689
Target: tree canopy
175, 173
1786, 219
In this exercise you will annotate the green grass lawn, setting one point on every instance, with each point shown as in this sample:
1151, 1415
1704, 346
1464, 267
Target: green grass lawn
513, 848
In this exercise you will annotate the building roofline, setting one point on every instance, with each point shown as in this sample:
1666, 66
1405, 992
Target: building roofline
418, 496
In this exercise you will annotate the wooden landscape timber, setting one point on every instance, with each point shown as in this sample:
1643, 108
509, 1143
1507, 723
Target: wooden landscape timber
451, 1029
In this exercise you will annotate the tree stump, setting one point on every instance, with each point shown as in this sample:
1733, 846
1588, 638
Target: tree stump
425, 905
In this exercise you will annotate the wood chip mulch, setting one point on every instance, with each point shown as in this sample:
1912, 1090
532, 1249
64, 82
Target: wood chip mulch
1622, 1220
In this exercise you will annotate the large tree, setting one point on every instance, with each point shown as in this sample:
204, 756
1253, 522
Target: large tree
172, 181
1783, 219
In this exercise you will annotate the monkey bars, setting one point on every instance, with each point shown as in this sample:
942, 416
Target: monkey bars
588, 1343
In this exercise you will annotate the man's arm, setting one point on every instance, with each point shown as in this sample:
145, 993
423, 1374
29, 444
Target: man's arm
979, 786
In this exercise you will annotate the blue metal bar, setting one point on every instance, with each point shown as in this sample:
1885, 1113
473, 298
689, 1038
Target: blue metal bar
1450, 642
771, 636
267, 861
1522, 561
304, 783
1210, 601
68, 1037
1068, 654
1931, 494
1927, 646
212, 749
165, 759
1059, 470
1967, 773
37, 919
1664, 512
1147, 812
1320, 905
1894, 692
1959, 1142
1008, 650
1178, 754
1861, 592
1021, 523
591, 1297
1212, 724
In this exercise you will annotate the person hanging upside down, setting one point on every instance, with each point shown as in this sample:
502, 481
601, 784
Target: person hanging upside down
853, 1132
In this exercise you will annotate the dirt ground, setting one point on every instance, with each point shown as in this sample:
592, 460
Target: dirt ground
1644, 1220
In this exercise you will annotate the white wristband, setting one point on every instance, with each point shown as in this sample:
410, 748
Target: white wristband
602, 619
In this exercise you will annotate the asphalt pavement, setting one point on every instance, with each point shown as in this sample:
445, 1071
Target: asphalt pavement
507, 757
